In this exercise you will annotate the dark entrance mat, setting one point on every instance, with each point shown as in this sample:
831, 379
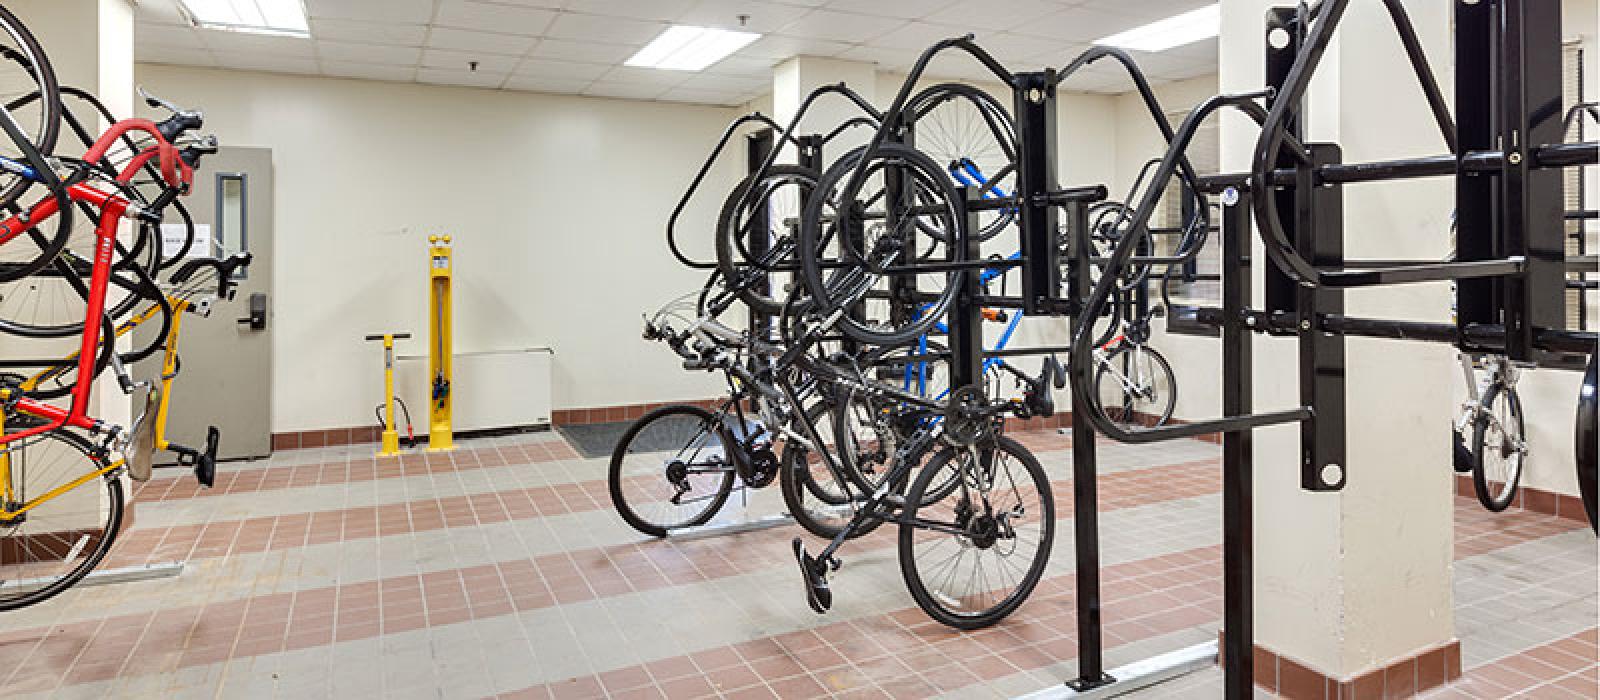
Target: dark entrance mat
595, 439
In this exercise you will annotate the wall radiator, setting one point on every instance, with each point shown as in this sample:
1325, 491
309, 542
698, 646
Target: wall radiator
494, 389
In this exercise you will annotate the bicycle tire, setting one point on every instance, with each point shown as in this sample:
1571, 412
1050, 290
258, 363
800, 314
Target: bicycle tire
37, 64
844, 286
18, 546
1160, 366
1585, 456
1492, 500
615, 476
733, 257
959, 141
797, 481
934, 604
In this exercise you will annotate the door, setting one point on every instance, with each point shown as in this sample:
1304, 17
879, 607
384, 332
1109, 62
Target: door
225, 360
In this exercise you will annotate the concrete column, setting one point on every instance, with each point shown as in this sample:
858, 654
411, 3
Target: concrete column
1349, 583
90, 45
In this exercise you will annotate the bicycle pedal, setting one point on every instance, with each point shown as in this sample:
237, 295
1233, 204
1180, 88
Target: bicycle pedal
815, 573
205, 463
895, 501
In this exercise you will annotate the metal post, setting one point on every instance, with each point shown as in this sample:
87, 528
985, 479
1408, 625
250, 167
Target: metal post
965, 318
1280, 289
1319, 225
757, 146
1085, 500
1237, 539
1035, 109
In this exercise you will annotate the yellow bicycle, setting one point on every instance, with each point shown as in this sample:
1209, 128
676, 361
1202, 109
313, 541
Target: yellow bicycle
52, 532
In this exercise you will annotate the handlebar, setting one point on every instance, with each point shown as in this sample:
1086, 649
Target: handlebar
396, 336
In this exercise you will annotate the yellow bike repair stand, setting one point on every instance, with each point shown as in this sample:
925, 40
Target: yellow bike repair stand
391, 437
440, 436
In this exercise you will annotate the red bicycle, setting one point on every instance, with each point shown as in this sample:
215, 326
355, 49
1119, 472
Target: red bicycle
52, 531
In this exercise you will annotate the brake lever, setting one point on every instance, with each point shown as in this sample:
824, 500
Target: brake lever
157, 102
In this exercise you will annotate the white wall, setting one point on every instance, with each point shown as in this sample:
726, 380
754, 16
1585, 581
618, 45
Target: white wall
557, 205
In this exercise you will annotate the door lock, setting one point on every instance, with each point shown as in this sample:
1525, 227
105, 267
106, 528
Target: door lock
258, 312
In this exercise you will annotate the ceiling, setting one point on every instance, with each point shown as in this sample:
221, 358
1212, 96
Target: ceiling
578, 46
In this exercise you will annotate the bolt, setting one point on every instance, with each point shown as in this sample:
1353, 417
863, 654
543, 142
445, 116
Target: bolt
1515, 158
1305, 325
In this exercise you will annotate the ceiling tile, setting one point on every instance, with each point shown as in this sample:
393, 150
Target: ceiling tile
461, 61
898, 9
464, 78
493, 17
886, 58
268, 62
160, 11
917, 36
224, 43
368, 71
743, 65
368, 53
840, 26
479, 42
725, 83
369, 32
644, 76
1078, 24
779, 48
615, 30
995, 14
397, 11
625, 90
560, 70
1146, 11
762, 17
582, 51
703, 97
174, 56
653, 10
536, 83
147, 34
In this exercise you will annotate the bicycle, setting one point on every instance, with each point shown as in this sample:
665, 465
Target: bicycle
676, 466
1134, 384
1493, 414
52, 533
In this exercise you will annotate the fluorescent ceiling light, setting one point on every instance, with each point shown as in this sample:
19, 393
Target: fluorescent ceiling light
280, 17
1171, 32
690, 48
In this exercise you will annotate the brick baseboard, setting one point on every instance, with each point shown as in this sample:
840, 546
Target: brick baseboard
1536, 500
1402, 678
615, 414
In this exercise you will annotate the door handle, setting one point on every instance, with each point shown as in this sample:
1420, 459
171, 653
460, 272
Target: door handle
258, 312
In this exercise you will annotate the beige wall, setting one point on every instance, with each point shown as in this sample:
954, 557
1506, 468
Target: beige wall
557, 205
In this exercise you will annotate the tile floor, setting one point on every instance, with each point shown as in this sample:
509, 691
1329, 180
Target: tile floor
500, 569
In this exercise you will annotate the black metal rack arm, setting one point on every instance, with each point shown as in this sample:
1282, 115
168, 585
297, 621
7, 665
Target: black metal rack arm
699, 177
1081, 366
891, 120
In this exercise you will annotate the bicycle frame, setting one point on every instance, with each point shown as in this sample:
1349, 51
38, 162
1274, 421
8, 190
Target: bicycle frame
113, 208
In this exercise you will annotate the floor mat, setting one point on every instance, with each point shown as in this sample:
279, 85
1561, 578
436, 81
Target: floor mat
594, 439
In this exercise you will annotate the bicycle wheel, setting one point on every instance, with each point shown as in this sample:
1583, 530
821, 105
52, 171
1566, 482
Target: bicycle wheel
772, 216
53, 545
821, 500
1135, 387
971, 558
969, 132
1585, 455
671, 470
24, 71
1499, 447
873, 425
863, 249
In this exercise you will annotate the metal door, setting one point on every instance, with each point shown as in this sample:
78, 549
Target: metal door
225, 360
